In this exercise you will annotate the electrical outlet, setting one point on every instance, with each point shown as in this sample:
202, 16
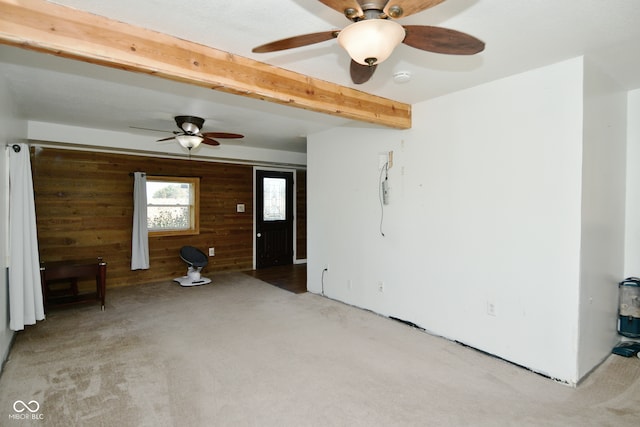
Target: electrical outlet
380, 286
491, 308
212, 251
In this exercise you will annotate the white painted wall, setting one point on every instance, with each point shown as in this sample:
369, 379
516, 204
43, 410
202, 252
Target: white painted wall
603, 215
12, 130
486, 205
632, 235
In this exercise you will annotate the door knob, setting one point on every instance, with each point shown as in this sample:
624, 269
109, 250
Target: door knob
259, 234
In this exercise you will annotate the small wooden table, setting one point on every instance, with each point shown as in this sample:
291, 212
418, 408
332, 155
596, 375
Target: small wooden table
71, 271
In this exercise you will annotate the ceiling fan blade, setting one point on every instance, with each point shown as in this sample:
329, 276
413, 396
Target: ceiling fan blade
166, 139
296, 41
441, 40
343, 5
209, 141
402, 8
361, 73
223, 135
153, 130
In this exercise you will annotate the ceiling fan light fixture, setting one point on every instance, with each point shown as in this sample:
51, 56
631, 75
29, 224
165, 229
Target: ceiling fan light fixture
189, 141
371, 41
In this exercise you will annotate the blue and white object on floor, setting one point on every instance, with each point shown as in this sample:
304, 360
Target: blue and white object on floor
627, 349
629, 307
196, 260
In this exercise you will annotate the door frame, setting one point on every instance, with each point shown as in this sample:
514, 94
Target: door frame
294, 235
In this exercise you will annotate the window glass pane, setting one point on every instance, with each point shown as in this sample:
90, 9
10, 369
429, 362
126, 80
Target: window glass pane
167, 218
275, 199
168, 193
169, 205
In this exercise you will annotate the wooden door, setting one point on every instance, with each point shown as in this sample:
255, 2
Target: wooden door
274, 218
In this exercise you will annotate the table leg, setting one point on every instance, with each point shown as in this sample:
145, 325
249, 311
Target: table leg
102, 282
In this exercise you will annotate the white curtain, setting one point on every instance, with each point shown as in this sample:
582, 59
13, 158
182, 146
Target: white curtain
25, 289
140, 235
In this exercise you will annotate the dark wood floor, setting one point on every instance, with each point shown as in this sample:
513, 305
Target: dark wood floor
292, 278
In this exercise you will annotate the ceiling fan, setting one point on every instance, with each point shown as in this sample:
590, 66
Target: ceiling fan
190, 135
374, 34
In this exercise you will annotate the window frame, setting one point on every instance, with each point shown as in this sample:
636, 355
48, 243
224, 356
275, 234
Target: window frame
194, 209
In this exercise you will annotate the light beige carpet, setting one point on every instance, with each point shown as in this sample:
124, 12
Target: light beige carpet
240, 352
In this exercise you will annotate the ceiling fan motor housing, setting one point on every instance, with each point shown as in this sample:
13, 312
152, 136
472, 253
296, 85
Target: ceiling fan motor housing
189, 124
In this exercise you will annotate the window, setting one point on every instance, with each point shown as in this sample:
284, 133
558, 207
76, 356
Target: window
275, 199
172, 205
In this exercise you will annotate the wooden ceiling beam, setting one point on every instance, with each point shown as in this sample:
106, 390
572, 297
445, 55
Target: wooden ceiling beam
46, 27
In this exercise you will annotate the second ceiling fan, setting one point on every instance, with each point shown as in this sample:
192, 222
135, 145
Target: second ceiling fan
191, 135
374, 34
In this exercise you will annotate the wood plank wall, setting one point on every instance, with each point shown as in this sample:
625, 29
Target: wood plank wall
84, 208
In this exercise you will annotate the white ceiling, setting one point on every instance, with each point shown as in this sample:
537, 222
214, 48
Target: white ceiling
519, 35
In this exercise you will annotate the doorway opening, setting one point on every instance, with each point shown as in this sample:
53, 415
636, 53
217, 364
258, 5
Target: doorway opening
274, 218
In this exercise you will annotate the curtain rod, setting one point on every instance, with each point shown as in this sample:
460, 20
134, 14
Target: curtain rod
15, 147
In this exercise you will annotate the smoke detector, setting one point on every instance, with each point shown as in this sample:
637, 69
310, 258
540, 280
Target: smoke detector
402, 76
